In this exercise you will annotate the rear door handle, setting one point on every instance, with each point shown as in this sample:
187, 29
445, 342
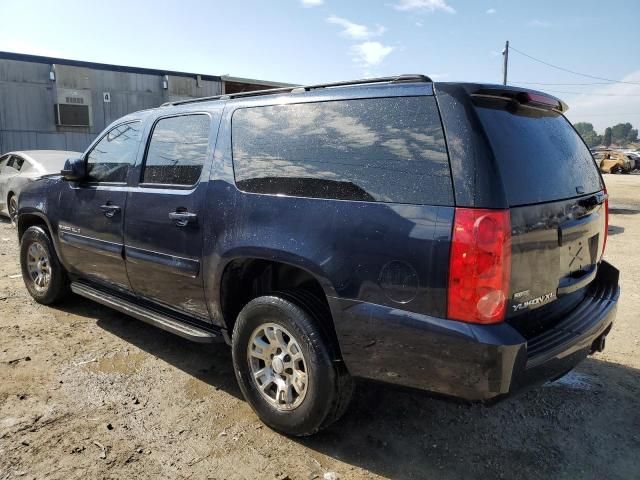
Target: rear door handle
109, 210
182, 219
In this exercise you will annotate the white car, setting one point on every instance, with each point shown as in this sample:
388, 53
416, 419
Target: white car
19, 168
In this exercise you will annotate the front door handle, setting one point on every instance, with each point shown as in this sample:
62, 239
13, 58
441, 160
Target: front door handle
109, 210
182, 219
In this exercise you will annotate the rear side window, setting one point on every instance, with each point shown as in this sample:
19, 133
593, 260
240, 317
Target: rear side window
16, 162
540, 156
381, 149
177, 150
111, 158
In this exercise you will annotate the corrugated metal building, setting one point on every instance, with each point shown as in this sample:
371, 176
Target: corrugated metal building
53, 103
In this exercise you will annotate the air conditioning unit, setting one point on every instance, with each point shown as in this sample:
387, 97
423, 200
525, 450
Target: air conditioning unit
72, 114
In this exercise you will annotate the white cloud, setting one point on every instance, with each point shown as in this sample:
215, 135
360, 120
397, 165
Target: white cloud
369, 54
311, 3
419, 24
539, 23
355, 30
615, 103
491, 11
424, 5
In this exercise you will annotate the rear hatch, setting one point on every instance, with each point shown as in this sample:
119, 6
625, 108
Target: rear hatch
557, 205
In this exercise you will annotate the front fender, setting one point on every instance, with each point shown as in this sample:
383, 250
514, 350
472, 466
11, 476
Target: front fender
35, 206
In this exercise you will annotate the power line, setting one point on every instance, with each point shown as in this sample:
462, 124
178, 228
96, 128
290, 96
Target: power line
570, 71
576, 84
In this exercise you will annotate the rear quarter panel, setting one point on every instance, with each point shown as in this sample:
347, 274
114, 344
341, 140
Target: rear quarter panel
388, 254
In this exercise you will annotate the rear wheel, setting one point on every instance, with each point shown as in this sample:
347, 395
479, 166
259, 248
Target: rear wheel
284, 367
43, 275
12, 207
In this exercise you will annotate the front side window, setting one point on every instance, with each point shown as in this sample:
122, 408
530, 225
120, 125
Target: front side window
111, 158
177, 150
379, 149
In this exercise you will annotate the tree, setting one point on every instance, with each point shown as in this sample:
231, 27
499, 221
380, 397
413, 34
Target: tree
607, 137
632, 136
619, 132
588, 134
584, 127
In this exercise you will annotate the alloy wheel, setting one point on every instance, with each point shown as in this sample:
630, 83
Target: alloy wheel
278, 366
38, 266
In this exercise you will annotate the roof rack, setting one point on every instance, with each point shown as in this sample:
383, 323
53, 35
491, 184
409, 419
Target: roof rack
306, 88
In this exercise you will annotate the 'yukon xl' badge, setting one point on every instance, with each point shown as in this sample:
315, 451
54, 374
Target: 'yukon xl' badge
534, 302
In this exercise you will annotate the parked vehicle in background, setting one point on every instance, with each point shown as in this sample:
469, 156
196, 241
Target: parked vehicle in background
17, 169
635, 156
613, 161
390, 229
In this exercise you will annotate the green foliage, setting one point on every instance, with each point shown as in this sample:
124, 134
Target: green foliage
584, 127
588, 134
621, 134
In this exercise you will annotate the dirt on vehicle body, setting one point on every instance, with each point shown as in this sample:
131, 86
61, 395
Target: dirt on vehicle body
87, 392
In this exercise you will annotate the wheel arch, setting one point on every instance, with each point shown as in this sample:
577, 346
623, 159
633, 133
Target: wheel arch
32, 219
35, 218
247, 277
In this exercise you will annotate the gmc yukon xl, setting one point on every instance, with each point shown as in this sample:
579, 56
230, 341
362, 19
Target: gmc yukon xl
440, 236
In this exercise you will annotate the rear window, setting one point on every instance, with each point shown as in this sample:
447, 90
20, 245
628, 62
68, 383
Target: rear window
540, 156
381, 149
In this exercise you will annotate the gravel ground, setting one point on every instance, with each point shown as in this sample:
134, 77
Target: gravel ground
86, 392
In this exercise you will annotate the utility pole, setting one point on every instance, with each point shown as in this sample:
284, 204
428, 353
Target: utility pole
505, 65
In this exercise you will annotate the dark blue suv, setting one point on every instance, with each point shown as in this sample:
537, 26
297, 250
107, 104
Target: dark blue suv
442, 236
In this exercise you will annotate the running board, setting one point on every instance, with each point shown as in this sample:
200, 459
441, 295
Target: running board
151, 317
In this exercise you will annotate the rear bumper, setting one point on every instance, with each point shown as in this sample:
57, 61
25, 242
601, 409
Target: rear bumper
473, 362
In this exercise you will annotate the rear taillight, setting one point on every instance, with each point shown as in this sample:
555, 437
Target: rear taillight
606, 220
480, 265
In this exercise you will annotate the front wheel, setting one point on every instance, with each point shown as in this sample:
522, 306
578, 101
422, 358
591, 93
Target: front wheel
43, 274
284, 367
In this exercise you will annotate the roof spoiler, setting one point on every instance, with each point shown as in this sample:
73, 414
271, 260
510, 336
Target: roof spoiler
529, 98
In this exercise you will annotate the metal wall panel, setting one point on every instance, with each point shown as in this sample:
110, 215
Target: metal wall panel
26, 106
28, 96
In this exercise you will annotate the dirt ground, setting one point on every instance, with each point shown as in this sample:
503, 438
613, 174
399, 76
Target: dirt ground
86, 392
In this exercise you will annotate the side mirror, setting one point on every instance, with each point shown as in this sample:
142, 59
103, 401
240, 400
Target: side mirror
75, 169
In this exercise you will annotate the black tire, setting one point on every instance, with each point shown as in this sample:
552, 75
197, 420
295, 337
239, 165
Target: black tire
57, 286
12, 208
329, 387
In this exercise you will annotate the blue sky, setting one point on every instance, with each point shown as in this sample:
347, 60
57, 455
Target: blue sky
310, 41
